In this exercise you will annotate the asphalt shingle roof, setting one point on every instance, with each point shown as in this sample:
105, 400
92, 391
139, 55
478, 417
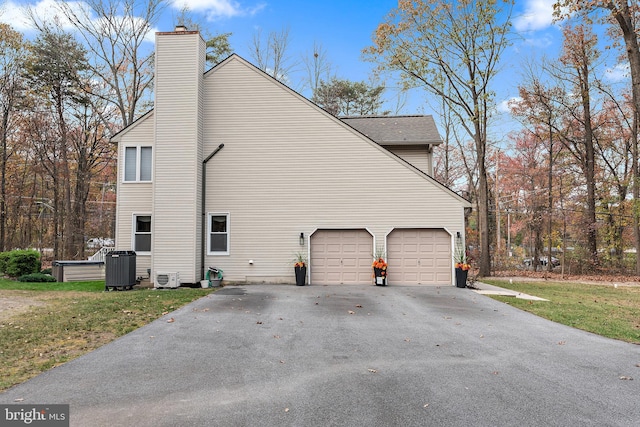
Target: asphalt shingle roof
397, 130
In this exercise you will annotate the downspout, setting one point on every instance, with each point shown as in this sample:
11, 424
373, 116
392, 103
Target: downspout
203, 234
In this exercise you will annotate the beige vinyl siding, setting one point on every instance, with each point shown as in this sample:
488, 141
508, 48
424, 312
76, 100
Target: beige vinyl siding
133, 197
200, 155
288, 167
419, 157
177, 154
81, 273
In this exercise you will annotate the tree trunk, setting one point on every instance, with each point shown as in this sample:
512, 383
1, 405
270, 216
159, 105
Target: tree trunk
68, 221
483, 210
636, 186
623, 16
550, 199
589, 162
3, 182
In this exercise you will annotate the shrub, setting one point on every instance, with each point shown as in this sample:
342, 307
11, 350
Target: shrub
36, 277
20, 262
4, 259
46, 271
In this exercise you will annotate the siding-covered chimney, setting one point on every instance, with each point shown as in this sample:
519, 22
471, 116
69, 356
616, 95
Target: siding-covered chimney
177, 153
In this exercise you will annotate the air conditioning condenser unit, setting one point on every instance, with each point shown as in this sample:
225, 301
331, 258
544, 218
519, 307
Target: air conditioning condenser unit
167, 280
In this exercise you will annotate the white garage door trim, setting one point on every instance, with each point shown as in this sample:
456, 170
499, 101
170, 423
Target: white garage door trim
420, 256
341, 256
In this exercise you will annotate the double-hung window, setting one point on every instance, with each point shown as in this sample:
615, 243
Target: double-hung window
142, 233
137, 164
218, 234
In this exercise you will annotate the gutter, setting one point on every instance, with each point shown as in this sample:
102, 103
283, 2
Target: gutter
203, 234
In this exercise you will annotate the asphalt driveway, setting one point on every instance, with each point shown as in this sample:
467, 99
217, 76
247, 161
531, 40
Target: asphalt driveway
267, 355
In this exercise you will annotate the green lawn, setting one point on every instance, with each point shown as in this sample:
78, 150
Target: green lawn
61, 321
601, 309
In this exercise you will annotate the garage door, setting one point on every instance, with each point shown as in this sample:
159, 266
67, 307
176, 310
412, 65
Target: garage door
341, 257
419, 256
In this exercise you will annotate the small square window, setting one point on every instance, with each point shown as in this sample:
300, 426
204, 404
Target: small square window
142, 233
218, 234
137, 164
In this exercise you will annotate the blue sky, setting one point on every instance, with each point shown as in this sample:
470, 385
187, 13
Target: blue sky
343, 28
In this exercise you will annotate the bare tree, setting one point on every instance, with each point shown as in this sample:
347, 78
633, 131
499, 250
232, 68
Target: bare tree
114, 32
271, 54
317, 66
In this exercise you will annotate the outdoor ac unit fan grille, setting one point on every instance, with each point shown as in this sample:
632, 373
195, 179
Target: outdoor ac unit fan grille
167, 280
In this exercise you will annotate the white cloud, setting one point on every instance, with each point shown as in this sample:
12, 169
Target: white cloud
216, 9
537, 15
541, 42
505, 105
618, 73
15, 14
47, 11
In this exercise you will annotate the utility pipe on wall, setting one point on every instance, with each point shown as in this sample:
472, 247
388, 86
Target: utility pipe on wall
203, 237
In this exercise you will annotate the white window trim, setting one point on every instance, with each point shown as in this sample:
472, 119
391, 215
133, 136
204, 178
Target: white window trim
133, 232
138, 161
208, 243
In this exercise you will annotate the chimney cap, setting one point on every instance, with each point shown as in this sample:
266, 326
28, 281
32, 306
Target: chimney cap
180, 28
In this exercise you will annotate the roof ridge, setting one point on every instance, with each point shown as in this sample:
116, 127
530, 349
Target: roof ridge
374, 116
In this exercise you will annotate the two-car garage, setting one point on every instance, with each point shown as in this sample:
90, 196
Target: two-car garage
416, 256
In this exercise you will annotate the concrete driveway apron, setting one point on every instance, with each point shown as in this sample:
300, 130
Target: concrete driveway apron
269, 355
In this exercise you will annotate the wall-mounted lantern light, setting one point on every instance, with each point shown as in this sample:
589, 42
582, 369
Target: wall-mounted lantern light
301, 239
458, 236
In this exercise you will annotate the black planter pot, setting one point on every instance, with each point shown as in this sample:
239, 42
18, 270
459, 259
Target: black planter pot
301, 275
381, 280
461, 278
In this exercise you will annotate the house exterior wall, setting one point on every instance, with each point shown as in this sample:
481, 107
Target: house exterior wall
176, 213
134, 198
289, 168
419, 157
